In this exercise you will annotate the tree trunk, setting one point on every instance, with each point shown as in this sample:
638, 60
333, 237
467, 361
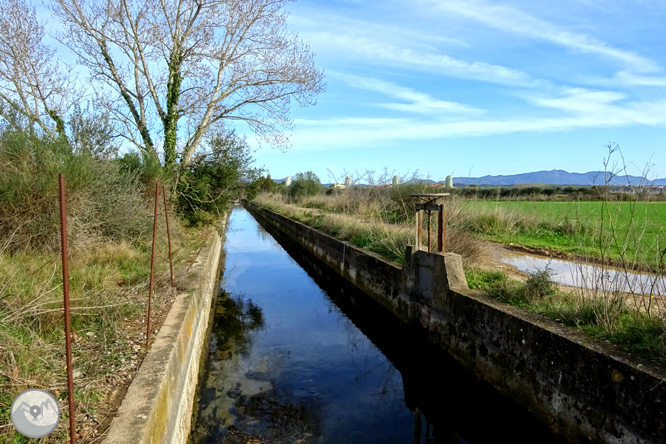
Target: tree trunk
171, 117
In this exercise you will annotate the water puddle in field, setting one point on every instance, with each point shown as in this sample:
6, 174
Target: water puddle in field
583, 275
299, 356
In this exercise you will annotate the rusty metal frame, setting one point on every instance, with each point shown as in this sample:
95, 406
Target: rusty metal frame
68, 326
428, 204
152, 262
166, 215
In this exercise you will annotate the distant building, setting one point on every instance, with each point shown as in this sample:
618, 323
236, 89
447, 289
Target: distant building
287, 181
348, 181
396, 181
449, 182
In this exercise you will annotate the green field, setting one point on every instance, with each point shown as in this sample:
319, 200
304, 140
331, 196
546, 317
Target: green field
633, 230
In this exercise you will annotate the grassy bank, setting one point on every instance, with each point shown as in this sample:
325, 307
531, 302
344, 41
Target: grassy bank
110, 219
626, 234
373, 229
109, 293
604, 315
381, 220
630, 232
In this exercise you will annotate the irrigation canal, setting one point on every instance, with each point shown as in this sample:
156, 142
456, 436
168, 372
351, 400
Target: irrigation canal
297, 356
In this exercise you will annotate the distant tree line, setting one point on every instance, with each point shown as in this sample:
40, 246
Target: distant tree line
557, 192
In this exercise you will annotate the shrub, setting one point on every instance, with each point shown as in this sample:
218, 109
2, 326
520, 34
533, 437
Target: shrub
103, 200
305, 184
540, 284
146, 167
215, 177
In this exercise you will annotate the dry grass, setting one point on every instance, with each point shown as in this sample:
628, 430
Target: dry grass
108, 293
373, 220
382, 220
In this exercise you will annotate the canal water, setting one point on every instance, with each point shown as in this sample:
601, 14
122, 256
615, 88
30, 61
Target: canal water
298, 356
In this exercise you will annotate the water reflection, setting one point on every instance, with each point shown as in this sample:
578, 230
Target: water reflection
583, 275
328, 365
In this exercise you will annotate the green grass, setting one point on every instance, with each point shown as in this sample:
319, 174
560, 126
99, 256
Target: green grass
635, 332
108, 291
564, 226
630, 230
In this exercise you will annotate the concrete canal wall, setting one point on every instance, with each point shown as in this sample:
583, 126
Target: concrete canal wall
585, 390
158, 405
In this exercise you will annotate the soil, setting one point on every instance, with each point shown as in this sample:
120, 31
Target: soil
493, 260
92, 426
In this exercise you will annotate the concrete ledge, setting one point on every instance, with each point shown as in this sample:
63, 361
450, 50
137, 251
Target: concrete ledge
584, 389
158, 405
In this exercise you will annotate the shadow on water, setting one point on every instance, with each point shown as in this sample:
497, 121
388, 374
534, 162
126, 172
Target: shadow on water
449, 404
274, 368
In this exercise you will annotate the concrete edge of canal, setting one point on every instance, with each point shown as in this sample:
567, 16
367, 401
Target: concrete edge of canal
585, 390
157, 407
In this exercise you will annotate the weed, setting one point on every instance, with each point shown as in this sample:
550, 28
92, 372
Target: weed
540, 284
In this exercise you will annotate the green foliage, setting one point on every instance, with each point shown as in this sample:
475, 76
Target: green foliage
103, 201
483, 279
540, 284
635, 331
220, 174
265, 184
143, 165
305, 184
575, 227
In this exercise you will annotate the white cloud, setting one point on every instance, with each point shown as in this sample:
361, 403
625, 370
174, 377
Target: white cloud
580, 100
313, 21
418, 102
374, 51
580, 109
344, 121
515, 21
628, 78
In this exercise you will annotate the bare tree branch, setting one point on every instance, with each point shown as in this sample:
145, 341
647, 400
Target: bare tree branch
31, 81
205, 61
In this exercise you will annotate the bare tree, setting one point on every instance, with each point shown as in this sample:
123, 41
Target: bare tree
32, 83
180, 67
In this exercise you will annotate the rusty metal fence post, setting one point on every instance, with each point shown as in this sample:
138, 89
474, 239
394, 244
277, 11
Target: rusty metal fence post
152, 262
441, 230
68, 327
419, 227
166, 215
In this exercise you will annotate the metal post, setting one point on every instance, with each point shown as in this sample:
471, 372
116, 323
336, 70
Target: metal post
440, 229
152, 262
166, 215
419, 227
68, 327
429, 247
417, 426
442, 224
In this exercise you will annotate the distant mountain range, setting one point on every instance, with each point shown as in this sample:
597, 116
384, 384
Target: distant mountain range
555, 177
552, 177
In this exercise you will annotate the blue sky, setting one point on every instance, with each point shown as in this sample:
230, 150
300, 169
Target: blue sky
470, 88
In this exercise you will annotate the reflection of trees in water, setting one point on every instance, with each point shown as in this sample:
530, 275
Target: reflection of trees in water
264, 235
235, 317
